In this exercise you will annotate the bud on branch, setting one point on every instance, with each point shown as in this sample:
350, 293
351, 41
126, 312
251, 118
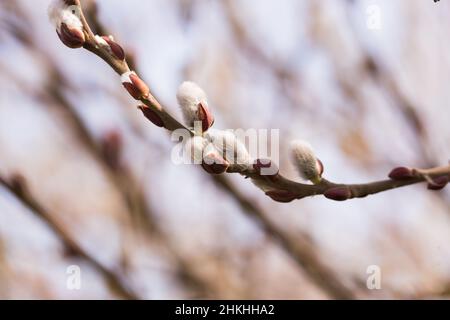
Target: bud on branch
65, 16
194, 105
135, 86
309, 167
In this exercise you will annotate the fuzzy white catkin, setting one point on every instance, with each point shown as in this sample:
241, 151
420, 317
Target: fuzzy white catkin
193, 149
229, 146
305, 160
59, 12
196, 148
189, 96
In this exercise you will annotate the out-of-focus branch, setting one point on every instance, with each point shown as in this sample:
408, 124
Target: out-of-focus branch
301, 249
17, 186
374, 69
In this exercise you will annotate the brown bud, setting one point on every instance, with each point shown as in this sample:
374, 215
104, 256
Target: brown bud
138, 89
282, 196
338, 194
152, 116
205, 116
71, 37
439, 183
401, 173
215, 164
116, 49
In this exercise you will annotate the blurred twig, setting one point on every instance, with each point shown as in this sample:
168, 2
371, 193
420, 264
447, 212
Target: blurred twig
17, 186
301, 249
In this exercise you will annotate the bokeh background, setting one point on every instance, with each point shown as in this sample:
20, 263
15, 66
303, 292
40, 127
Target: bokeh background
103, 194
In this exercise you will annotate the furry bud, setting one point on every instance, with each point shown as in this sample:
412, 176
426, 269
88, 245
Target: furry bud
194, 105
200, 151
194, 148
111, 46
65, 15
71, 37
230, 148
309, 167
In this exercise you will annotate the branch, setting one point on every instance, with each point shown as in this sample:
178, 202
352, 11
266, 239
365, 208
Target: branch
278, 187
17, 186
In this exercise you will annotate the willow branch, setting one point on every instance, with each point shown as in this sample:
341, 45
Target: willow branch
283, 189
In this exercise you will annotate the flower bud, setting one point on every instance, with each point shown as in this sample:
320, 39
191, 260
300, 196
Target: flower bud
338, 194
113, 47
72, 37
152, 116
194, 105
135, 86
401, 173
438, 183
116, 49
282, 196
230, 148
309, 167
205, 116
194, 148
213, 163
65, 15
